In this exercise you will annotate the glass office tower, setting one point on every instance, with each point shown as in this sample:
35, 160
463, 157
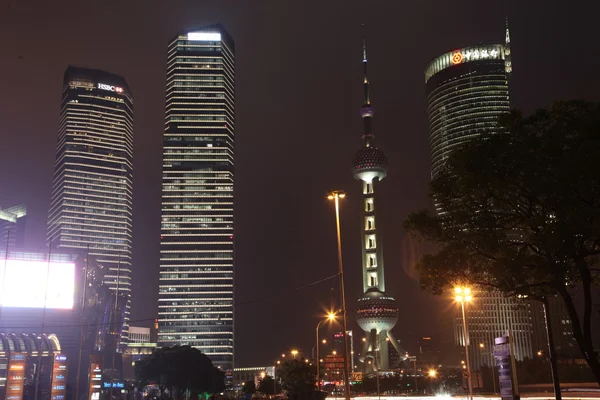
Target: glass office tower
467, 91
91, 206
196, 250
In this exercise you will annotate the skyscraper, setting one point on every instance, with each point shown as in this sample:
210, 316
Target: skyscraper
91, 206
377, 312
467, 91
12, 227
196, 246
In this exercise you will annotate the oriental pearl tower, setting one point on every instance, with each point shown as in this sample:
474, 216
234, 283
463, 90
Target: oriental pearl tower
376, 311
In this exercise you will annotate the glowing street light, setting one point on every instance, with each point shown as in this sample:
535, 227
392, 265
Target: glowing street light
294, 353
463, 295
432, 373
330, 318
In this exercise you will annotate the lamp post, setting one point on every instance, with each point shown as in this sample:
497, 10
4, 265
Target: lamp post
330, 317
336, 195
493, 368
463, 295
377, 366
275, 379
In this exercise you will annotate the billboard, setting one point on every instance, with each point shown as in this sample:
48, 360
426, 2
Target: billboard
33, 284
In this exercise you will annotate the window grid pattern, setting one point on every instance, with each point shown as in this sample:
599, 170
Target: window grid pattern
91, 204
464, 101
196, 252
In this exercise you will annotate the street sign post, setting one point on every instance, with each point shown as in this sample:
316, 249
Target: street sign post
503, 356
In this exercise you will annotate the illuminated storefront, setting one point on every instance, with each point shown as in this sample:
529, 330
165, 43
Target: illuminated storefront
19, 358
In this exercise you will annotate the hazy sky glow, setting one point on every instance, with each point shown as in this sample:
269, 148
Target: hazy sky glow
298, 93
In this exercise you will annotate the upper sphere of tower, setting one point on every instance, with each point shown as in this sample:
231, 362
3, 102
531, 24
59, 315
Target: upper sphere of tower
376, 310
369, 163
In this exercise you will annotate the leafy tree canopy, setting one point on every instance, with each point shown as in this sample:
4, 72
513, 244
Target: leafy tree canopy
249, 387
178, 369
267, 386
298, 378
521, 212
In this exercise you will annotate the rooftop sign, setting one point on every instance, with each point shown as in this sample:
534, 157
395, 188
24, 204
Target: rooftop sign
111, 88
464, 55
204, 36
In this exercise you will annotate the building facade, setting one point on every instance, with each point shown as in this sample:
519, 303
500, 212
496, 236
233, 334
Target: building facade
467, 92
491, 315
20, 358
91, 205
64, 294
196, 246
12, 227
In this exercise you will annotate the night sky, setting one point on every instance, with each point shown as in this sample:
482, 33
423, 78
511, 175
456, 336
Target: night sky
298, 84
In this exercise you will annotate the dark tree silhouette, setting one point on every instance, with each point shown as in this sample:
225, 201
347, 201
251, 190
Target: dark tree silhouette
298, 378
522, 213
179, 369
249, 387
267, 386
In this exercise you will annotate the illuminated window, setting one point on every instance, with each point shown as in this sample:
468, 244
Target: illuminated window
371, 260
369, 223
373, 280
370, 242
369, 207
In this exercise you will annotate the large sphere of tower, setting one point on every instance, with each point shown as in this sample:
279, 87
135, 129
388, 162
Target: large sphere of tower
369, 163
376, 310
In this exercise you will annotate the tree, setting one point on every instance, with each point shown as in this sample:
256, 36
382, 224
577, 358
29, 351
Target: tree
267, 386
522, 213
249, 387
180, 369
298, 378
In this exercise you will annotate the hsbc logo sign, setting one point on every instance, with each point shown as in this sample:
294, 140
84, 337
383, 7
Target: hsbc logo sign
111, 88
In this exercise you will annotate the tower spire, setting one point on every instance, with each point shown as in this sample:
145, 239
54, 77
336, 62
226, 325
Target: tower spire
366, 80
366, 111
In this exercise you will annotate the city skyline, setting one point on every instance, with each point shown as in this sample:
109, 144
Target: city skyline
285, 83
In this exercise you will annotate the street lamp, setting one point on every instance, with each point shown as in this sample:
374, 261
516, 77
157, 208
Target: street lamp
377, 365
294, 353
463, 295
330, 317
432, 373
336, 195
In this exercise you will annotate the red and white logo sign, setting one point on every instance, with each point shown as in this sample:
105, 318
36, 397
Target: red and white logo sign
110, 88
